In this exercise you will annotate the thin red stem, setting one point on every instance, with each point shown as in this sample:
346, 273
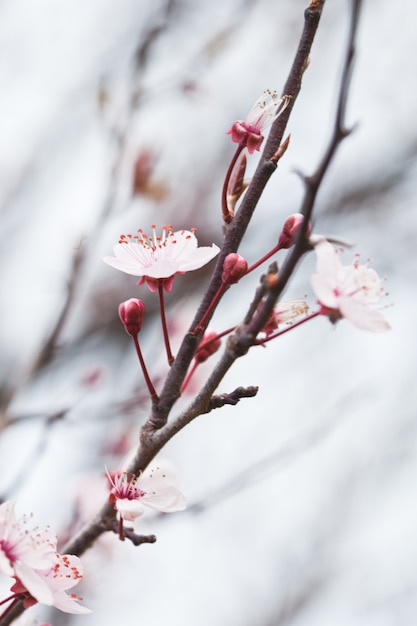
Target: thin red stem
164, 322
227, 216
260, 342
264, 258
148, 381
210, 308
189, 375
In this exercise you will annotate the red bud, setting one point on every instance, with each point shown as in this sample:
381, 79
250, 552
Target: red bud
131, 313
234, 267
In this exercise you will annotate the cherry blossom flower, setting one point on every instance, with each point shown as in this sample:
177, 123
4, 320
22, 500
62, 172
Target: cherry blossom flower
30, 556
155, 488
248, 132
24, 552
158, 258
347, 290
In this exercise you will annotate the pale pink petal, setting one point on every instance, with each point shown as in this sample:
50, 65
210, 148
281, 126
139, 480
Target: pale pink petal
129, 509
362, 316
323, 289
66, 603
183, 242
200, 257
5, 565
166, 500
35, 583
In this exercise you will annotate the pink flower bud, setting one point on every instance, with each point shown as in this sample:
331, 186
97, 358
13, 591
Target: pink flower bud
291, 229
131, 313
210, 343
234, 267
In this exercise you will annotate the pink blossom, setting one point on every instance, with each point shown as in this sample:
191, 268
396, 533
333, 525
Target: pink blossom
160, 257
31, 558
155, 488
347, 290
24, 552
248, 132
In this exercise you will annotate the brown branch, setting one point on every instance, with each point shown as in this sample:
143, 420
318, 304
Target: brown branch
232, 398
238, 227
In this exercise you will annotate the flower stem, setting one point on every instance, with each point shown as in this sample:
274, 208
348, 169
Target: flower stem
210, 309
260, 342
189, 375
264, 258
197, 363
227, 215
121, 529
164, 322
148, 381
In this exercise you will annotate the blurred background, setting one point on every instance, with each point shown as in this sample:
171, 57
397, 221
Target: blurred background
113, 116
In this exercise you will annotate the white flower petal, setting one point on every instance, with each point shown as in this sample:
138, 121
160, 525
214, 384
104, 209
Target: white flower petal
129, 509
166, 500
34, 583
362, 316
200, 257
66, 603
324, 290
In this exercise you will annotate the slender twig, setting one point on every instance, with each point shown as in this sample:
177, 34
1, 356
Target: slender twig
146, 376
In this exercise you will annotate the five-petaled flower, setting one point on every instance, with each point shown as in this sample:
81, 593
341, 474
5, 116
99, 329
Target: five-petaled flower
347, 290
155, 488
31, 558
248, 132
159, 258
24, 551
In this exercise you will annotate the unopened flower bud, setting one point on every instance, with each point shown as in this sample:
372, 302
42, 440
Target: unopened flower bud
234, 267
291, 229
210, 343
131, 313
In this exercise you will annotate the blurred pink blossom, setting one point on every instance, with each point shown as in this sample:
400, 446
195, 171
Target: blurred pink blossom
347, 290
24, 552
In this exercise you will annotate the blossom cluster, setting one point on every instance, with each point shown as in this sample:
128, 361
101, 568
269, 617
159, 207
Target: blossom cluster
30, 556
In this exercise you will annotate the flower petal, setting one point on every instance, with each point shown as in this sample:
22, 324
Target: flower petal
166, 500
129, 509
362, 316
34, 583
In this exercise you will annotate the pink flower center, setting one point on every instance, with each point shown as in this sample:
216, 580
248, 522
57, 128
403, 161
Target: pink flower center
125, 488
